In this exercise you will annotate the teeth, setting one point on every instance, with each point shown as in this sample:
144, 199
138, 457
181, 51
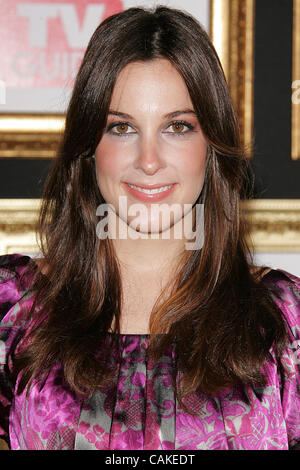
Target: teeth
151, 191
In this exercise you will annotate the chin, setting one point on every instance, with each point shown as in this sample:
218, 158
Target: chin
150, 231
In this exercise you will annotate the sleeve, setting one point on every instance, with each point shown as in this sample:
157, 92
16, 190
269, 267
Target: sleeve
286, 293
11, 292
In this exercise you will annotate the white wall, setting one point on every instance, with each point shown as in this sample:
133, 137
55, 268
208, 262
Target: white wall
288, 261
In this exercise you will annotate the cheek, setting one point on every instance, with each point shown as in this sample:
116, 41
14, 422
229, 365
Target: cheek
193, 163
109, 161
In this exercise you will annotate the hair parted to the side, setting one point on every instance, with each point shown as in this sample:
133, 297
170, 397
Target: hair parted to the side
219, 314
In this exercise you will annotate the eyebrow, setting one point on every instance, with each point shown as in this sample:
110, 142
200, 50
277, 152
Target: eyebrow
171, 115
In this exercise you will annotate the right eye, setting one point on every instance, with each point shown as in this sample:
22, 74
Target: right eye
121, 128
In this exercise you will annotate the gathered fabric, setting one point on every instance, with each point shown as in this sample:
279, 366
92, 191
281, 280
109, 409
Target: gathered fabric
138, 409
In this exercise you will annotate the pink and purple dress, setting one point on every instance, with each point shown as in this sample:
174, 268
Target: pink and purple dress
138, 409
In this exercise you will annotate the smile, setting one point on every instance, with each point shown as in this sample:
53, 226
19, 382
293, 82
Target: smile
150, 194
150, 191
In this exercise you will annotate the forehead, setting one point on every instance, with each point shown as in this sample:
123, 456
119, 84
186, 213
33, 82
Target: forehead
152, 83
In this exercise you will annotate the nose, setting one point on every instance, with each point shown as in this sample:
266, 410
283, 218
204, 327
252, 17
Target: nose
149, 159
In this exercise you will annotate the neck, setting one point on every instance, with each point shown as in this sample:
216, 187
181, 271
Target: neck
143, 253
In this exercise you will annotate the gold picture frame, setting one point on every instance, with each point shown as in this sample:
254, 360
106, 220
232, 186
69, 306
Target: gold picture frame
275, 223
30, 135
18, 220
232, 33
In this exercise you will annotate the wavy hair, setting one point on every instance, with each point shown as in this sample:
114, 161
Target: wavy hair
219, 314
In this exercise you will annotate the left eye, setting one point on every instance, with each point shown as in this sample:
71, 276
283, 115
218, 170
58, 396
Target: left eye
179, 126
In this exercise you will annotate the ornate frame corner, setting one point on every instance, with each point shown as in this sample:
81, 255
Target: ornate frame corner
275, 224
18, 222
30, 135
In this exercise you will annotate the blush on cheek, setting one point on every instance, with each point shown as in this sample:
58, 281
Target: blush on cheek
106, 165
106, 161
112, 162
197, 161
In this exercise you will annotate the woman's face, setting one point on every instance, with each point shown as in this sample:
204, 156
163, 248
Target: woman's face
152, 139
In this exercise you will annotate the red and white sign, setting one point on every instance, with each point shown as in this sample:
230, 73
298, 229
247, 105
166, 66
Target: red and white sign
42, 42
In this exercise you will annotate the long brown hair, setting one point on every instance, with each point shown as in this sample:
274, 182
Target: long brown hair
219, 315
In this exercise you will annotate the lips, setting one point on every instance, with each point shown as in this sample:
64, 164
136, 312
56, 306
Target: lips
152, 192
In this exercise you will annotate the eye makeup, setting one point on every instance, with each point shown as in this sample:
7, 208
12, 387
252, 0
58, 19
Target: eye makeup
111, 126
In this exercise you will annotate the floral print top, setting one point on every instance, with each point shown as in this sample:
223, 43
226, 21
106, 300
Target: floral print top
138, 409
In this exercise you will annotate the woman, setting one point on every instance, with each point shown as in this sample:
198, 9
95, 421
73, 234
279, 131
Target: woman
139, 342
